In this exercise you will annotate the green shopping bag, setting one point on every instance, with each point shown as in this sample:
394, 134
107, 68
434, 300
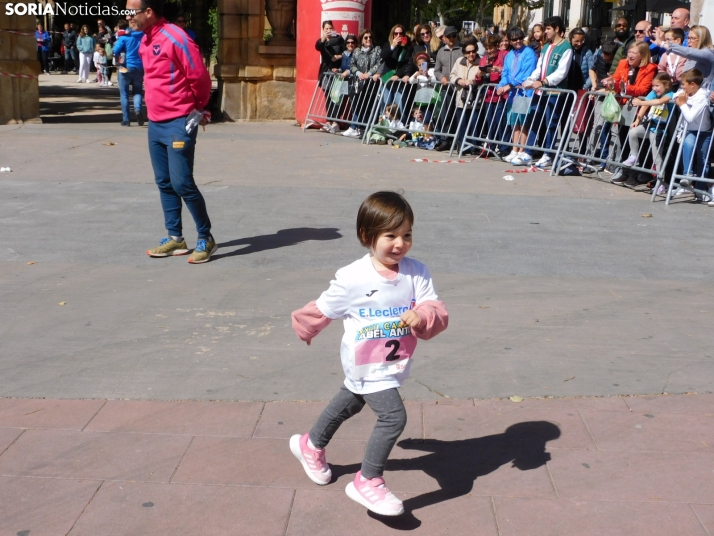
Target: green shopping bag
611, 110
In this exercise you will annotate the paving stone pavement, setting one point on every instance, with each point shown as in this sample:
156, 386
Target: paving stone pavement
570, 466
158, 397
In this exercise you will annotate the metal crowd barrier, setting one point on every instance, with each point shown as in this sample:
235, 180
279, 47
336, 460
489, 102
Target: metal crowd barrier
594, 143
349, 101
544, 115
692, 166
442, 122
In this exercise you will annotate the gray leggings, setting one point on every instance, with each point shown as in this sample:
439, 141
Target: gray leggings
391, 420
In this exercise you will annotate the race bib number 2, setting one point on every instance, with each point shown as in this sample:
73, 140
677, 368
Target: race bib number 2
383, 348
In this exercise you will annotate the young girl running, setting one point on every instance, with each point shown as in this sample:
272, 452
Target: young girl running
386, 301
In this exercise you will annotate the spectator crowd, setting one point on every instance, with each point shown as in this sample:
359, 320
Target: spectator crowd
663, 75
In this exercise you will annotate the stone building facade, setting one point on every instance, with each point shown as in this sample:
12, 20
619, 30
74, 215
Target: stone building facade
19, 97
256, 81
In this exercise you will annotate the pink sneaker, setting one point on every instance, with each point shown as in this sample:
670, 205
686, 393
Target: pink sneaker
374, 495
312, 460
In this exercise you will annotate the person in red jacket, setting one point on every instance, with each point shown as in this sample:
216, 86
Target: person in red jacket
635, 73
176, 84
490, 69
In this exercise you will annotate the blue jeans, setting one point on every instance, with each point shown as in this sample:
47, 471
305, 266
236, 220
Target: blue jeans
70, 52
171, 149
545, 112
135, 79
695, 155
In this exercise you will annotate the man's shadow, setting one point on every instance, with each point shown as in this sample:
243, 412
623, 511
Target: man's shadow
283, 238
455, 465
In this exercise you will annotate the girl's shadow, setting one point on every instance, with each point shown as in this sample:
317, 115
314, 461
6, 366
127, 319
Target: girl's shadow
455, 465
281, 239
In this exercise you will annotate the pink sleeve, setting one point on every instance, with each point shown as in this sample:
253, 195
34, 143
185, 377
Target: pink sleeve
434, 319
309, 321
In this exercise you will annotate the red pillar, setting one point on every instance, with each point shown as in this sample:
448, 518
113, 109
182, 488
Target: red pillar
348, 16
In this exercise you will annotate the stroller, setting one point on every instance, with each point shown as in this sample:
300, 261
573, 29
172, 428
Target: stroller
55, 62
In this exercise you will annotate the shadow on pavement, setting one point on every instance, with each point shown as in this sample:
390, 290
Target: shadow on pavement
62, 100
283, 238
455, 465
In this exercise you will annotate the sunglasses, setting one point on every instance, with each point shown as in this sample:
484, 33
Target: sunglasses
367, 37
640, 31
351, 43
425, 33
469, 52
398, 33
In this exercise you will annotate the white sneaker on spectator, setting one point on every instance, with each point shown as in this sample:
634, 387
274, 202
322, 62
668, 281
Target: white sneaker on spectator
662, 189
351, 133
631, 161
711, 203
110, 84
543, 162
510, 156
523, 159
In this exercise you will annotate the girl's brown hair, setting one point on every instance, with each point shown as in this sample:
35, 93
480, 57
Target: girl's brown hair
664, 78
531, 35
379, 213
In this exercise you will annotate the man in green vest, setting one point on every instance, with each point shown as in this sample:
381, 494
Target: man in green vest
547, 106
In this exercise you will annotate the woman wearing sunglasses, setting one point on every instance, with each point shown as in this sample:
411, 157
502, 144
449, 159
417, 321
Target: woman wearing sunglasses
397, 56
427, 42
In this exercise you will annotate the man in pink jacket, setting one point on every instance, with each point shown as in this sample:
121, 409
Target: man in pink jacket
176, 82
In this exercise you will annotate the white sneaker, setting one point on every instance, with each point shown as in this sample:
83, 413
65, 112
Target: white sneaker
662, 189
543, 162
374, 495
312, 460
711, 203
351, 133
523, 159
510, 156
88, 81
631, 161
79, 80
110, 84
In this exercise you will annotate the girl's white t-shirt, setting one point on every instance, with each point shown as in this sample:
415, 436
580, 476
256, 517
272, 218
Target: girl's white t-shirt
376, 348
